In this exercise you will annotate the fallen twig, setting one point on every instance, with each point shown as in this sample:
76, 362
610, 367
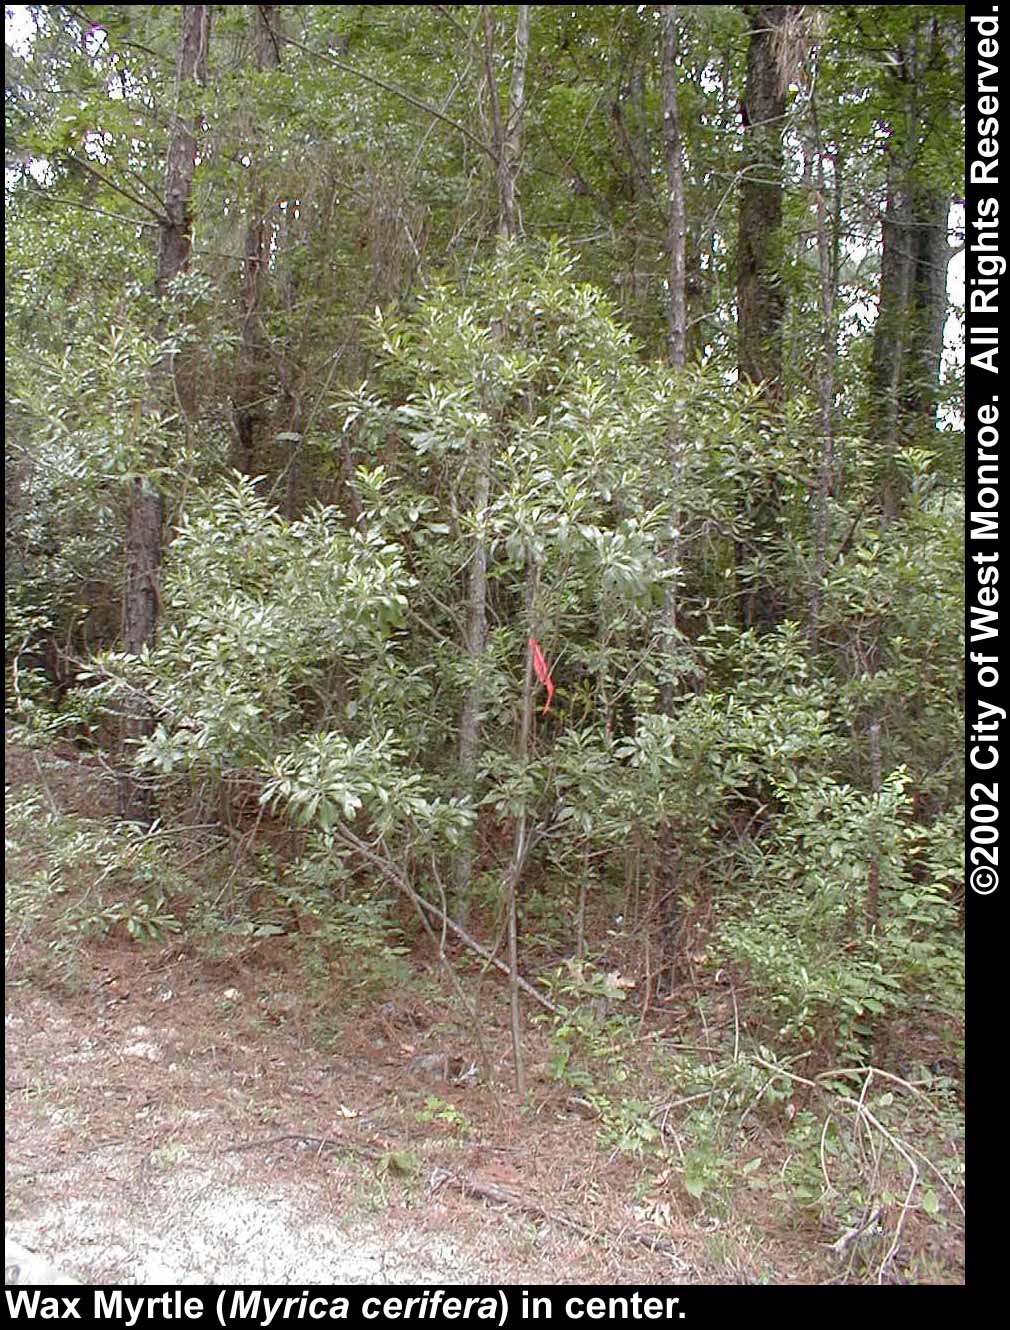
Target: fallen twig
321, 1143
486, 1191
857, 1230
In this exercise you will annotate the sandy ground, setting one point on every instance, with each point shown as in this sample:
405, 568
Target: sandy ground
158, 1133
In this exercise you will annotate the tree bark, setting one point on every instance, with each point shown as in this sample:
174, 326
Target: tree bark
896, 262
173, 393
872, 913
908, 335
676, 228
513, 141
507, 130
760, 295
521, 838
248, 411
912, 304
676, 306
176, 233
928, 299
633, 152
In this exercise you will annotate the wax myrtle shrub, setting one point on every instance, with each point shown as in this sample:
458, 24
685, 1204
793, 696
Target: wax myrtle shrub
276, 674
519, 427
325, 666
518, 435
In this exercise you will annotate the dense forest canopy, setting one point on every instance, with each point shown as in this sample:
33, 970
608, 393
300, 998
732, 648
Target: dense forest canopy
507, 462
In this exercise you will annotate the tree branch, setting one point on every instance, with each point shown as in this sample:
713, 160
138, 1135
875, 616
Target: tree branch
87, 207
117, 189
402, 93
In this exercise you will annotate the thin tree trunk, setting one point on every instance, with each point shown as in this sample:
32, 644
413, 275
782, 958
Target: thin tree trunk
521, 843
513, 141
825, 383
507, 130
173, 392
176, 234
141, 606
506, 134
676, 309
760, 294
289, 417
676, 228
249, 373
580, 919
470, 724
668, 848
873, 868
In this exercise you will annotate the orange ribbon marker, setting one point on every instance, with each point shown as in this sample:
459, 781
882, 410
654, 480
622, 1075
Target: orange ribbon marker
542, 671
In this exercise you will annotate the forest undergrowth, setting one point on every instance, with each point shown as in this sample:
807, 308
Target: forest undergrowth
748, 1165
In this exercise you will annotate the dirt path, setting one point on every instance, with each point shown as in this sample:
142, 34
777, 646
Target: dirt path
143, 1117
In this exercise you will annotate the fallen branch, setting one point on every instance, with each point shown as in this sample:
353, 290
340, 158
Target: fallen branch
393, 875
486, 1191
857, 1230
321, 1143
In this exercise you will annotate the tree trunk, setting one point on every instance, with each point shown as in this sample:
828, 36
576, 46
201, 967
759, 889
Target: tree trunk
928, 313
248, 413
827, 266
912, 305
507, 130
896, 261
173, 392
632, 144
176, 234
668, 847
908, 337
676, 308
140, 620
506, 134
513, 142
872, 913
521, 838
760, 295
676, 228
